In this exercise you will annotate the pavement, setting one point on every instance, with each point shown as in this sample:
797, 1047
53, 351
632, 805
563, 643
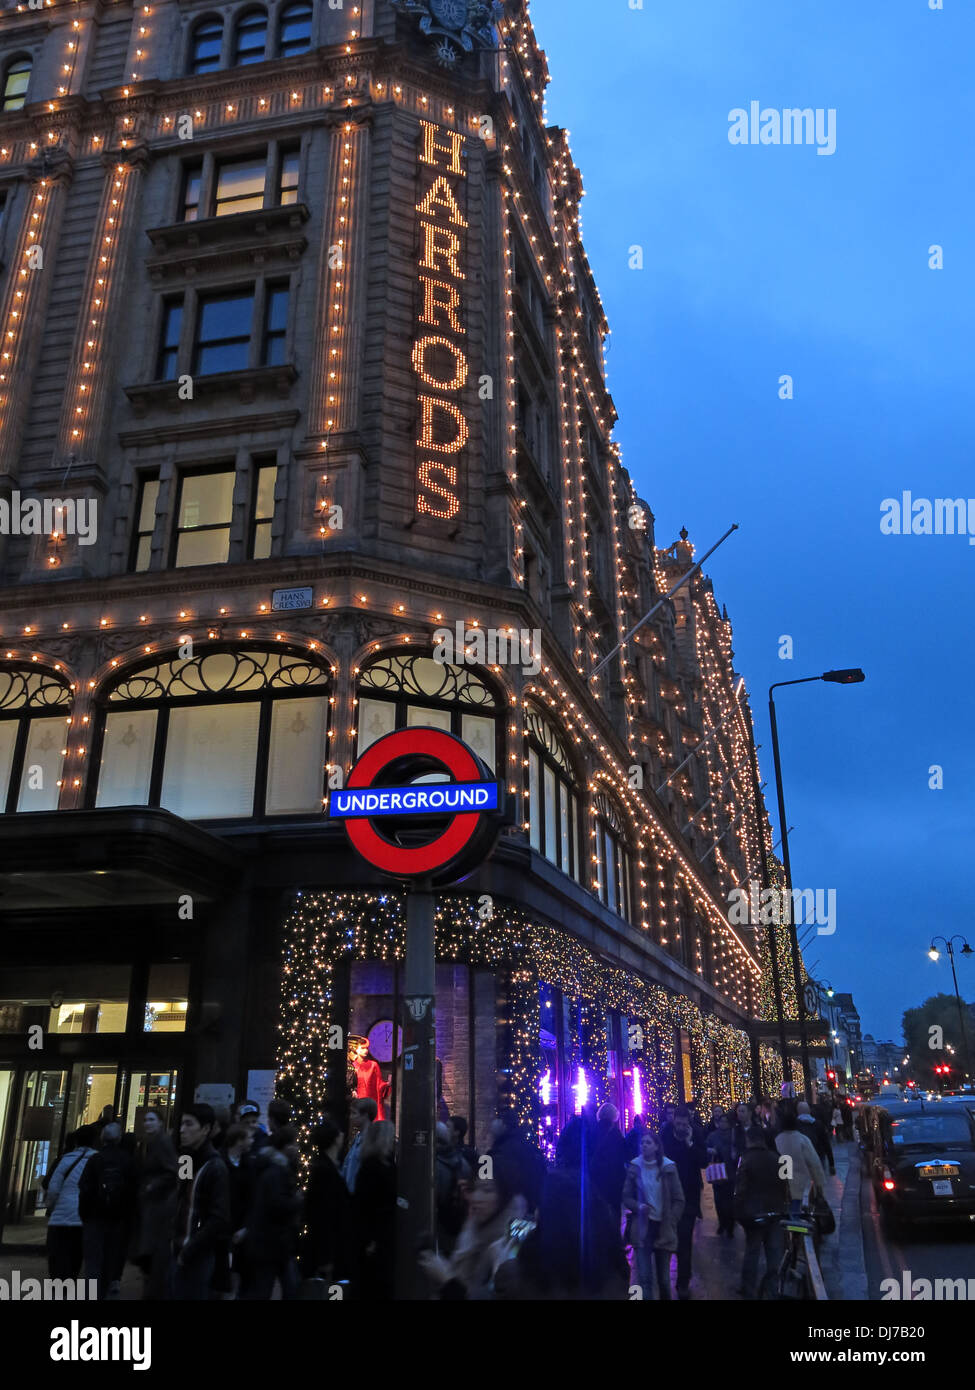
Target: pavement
716, 1270
717, 1261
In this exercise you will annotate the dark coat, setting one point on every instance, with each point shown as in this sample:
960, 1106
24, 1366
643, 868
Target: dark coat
374, 1203
758, 1186
331, 1222
608, 1167
672, 1201
689, 1160
521, 1166
115, 1165
202, 1206
273, 1219
156, 1196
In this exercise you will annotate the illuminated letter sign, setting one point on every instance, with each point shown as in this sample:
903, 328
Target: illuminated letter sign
412, 829
439, 358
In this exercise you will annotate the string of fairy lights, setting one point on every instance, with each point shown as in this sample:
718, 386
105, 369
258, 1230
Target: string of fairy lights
325, 931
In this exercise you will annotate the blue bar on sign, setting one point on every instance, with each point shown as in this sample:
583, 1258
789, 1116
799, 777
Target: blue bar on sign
437, 799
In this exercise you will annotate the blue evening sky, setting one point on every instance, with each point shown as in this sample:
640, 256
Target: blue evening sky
761, 261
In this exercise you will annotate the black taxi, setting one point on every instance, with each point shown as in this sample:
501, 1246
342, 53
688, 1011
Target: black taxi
921, 1156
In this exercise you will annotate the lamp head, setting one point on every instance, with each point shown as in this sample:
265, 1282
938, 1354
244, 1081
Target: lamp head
934, 953
850, 676
966, 950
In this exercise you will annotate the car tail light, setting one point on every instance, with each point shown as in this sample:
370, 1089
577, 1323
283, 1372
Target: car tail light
889, 1183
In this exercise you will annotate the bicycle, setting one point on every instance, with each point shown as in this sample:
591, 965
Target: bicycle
793, 1279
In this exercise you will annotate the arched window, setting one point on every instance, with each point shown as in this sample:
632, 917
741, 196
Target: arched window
294, 30
206, 45
34, 709
225, 734
401, 692
553, 804
16, 80
615, 872
250, 39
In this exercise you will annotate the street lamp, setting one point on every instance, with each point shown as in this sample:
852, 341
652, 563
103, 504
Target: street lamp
966, 950
847, 676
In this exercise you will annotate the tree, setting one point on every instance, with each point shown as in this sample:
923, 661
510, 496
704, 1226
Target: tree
929, 1030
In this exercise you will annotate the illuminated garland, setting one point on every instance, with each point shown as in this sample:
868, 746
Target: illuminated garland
324, 930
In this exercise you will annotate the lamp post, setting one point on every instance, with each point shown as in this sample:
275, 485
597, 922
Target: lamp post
966, 950
848, 676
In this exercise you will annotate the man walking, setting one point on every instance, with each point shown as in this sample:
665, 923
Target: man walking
106, 1205
690, 1156
202, 1207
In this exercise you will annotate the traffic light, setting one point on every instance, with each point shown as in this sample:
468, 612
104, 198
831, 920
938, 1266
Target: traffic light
831, 1078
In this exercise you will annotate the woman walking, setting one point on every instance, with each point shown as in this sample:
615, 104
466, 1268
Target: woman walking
653, 1196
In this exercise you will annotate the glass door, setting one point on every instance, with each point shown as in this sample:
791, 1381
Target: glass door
148, 1090
36, 1144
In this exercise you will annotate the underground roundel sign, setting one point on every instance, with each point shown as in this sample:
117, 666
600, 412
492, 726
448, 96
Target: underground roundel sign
410, 826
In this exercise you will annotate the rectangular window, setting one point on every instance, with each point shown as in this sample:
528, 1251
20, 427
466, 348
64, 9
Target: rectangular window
192, 183
262, 515
172, 323
551, 810
375, 718
204, 513
43, 760
275, 326
534, 802
126, 765
418, 716
95, 998
288, 178
564, 826
478, 733
223, 332
211, 760
8, 742
608, 876
296, 763
146, 524
166, 1001
240, 185
574, 817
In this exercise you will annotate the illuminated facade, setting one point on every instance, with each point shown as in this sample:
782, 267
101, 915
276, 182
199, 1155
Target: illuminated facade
296, 297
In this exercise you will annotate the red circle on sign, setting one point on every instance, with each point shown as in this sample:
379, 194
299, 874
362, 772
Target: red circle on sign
443, 748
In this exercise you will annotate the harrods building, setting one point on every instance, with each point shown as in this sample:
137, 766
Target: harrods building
301, 348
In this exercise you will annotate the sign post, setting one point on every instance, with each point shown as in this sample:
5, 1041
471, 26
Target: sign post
430, 834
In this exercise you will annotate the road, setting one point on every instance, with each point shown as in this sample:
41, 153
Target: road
928, 1251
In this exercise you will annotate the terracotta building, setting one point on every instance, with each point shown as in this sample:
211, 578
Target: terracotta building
302, 380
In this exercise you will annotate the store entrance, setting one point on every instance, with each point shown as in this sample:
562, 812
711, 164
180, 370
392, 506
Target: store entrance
39, 1107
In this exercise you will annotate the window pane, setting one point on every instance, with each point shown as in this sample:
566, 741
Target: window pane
251, 35
240, 186
226, 317
166, 998
295, 773
479, 733
191, 195
42, 765
262, 541
210, 547
8, 741
609, 871
551, 808
574, 817
295, 30
211, 755
147, 509
419, 716
206, 499
376, 717
534, 802
143, 554
564, 825
207, 42
288, 187
266, 479
127, 758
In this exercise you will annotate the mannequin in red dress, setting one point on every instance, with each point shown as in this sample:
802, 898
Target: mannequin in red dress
369, 1078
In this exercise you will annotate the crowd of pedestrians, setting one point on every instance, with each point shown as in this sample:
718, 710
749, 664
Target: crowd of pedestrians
224, 1210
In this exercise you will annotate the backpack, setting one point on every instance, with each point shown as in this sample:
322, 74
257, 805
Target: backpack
111, 1191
